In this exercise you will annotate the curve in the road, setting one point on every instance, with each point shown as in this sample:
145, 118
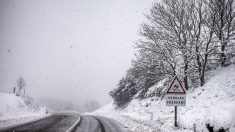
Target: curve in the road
70, 122
74, 126
88, 124
112, 125
58, 123
100, 123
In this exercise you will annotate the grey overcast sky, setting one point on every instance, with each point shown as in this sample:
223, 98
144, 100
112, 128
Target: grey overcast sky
73, 50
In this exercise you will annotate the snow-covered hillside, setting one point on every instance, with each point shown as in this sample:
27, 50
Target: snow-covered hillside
213, 103
16, 108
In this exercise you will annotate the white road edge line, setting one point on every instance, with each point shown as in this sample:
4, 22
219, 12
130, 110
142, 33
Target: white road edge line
74, 125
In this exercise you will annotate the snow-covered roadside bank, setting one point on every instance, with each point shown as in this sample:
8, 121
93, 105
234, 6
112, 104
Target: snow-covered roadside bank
16, 110
132, 121
8, 123
213, 103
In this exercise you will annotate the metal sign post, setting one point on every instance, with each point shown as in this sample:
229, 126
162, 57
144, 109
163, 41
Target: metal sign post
176, 116
175, 95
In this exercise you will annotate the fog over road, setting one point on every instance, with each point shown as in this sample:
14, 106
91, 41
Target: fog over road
70, 123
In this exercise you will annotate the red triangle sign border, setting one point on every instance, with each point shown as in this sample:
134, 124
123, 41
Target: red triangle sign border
172, 82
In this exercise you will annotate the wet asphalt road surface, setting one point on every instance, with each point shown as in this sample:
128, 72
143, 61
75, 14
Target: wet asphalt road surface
99, 124
63, 122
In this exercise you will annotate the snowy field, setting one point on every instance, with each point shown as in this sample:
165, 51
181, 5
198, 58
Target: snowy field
15, 109
213, 103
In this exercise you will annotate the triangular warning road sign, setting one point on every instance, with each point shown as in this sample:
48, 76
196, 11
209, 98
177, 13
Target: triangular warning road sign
176, 87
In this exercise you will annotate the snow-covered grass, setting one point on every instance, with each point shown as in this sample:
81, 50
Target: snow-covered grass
213, 103
15, 109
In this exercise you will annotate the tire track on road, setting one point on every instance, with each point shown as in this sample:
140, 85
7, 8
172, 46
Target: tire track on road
100, 123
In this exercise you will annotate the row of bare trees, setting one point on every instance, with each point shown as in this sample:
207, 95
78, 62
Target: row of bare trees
190, 33
183, 37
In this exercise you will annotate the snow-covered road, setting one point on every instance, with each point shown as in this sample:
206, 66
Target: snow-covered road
71, 123
99, 124
53, 123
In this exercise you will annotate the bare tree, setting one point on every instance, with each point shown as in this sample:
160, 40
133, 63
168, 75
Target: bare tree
187, 28
172, 22
204, 24
21, 84
180, 37
214, 23
224, 12
155, 52
14, 90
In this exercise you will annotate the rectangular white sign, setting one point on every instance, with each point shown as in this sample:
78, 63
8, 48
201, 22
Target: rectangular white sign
175, 99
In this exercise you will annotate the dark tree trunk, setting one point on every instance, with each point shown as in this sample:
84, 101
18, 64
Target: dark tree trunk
223, 57
202, 79
199, 68
186, 82
185, 74
14, 89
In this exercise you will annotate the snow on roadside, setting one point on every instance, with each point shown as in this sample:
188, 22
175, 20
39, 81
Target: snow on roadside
15, 109
20, 120
213, 103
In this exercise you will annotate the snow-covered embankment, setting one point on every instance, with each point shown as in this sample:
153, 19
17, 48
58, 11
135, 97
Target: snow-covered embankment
213, 103
15, 109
